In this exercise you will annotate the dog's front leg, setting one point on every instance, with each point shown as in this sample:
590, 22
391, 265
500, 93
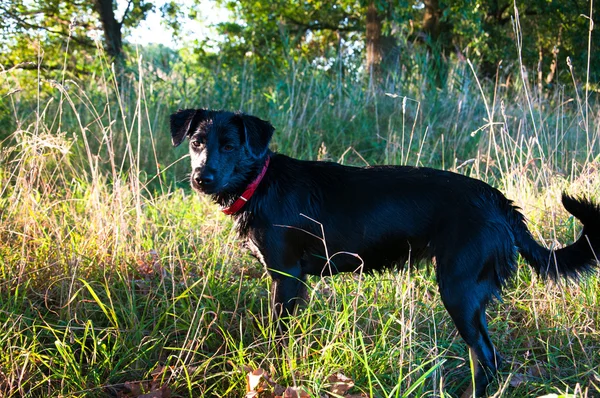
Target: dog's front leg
286, 290
283, 261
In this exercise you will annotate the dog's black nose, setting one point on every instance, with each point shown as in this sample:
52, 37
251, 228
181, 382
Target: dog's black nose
207, 178
204, 178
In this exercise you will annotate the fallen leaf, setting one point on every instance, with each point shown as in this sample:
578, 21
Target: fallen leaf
135, 388
517, 379
145, 389
537, 370
290, 392
340, 384
148, 264
254, 379
164, 392
293, 392
278, 391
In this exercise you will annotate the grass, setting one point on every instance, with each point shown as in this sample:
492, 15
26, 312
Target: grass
115, 279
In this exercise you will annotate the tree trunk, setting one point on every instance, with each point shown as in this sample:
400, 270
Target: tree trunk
431, 19
555, 52
112, 28
374, 55
438, 36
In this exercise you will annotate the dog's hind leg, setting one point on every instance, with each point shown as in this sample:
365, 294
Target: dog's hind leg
465, 296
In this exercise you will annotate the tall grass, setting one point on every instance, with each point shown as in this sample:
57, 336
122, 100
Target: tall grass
116, 280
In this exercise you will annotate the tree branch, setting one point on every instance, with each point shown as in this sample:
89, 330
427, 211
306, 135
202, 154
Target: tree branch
29, 25
129, 3
322, 25
35, 66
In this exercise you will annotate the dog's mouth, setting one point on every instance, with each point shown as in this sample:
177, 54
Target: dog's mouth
206, 188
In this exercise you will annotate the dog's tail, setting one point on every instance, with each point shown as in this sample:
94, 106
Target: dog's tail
571, 261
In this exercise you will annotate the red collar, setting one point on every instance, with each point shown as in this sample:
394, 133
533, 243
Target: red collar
241, 201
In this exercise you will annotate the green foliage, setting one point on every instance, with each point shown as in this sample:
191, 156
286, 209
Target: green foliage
52, 33
545, 27
276, 33
29, 26
279, 32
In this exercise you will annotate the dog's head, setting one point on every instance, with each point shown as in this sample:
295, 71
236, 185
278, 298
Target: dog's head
224, 147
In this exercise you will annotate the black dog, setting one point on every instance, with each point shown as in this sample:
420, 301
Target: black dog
387, 215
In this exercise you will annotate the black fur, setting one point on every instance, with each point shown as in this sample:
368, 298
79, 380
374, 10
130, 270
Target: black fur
388, 215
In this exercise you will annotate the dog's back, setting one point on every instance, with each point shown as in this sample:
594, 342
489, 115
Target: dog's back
385, 214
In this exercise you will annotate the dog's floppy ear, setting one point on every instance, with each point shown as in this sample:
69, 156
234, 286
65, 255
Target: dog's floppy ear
183, 121
257, 134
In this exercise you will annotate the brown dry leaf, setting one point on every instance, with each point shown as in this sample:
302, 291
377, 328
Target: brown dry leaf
257, 380
278, 391
247, 369
164, 392
148, 264
290, 392
340, 384
254, 378
261, 385
293, 392
157, 372
517, 379
537, 370
135, 388
145, 389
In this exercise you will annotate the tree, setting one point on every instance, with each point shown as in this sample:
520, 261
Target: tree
550, 31
113, 35
52, 22
373, 39
277, 30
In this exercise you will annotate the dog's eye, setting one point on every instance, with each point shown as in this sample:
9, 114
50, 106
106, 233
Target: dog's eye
227, 147
196, 144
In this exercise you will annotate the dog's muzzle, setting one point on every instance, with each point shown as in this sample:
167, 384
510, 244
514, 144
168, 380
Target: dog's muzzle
203, 180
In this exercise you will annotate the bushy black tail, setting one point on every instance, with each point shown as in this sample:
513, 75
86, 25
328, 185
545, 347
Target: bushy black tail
571, 261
